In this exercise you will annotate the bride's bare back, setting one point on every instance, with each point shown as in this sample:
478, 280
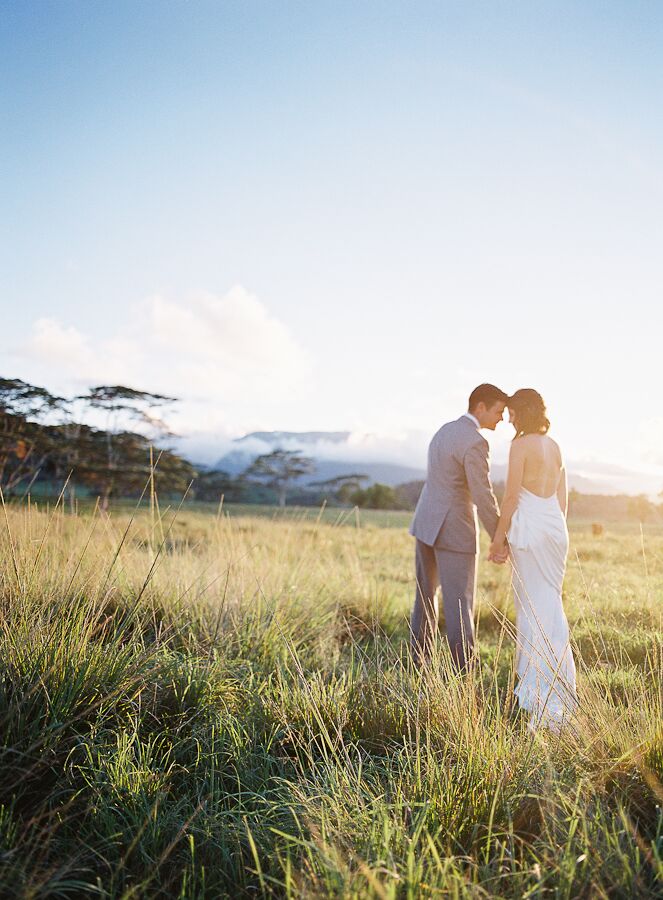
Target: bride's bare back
535, 463
542, 464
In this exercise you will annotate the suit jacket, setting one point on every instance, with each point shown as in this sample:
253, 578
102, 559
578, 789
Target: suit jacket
457, 485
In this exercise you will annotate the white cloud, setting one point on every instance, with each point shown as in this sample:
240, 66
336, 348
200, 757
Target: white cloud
236, 328
407, 448
233, 364
648, 443
58, 345
64, 358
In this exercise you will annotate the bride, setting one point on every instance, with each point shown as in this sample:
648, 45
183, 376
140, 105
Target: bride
533, 522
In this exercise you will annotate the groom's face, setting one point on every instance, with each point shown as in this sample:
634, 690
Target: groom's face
493, 415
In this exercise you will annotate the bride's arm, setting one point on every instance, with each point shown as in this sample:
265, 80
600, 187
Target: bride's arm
562, 492
514, 480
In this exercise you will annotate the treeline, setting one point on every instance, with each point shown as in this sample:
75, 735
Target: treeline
614, 507
47, 441
44, 441
276, 477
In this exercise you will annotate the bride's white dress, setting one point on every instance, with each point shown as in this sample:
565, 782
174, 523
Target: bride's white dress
539, 543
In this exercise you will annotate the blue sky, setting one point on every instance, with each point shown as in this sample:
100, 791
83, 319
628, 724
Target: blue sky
340, 215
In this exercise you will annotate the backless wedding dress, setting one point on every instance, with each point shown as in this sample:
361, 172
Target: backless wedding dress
539, 543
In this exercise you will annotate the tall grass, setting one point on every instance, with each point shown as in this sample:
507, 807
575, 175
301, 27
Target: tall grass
198, 706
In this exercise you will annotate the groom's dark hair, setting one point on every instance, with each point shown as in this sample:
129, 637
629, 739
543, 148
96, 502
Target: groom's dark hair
488, 394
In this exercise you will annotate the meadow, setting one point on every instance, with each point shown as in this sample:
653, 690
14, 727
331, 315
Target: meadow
203, 704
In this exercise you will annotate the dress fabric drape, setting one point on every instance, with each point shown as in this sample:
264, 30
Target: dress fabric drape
539, 543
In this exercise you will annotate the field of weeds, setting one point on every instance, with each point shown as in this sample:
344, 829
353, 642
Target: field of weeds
196, 705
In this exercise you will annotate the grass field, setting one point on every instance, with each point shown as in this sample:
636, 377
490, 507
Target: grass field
212, 705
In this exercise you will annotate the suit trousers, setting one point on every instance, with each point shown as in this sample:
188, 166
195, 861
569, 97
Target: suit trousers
455, 573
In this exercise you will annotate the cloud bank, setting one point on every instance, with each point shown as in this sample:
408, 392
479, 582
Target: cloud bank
227, 357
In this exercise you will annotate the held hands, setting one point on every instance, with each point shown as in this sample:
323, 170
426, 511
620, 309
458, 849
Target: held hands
498, 552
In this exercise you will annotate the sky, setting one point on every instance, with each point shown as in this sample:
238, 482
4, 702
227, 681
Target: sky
340, 216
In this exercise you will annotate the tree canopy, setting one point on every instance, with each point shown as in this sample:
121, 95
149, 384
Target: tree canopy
41, 439
279, 469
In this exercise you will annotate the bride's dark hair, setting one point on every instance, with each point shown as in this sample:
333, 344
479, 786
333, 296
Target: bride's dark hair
530, 412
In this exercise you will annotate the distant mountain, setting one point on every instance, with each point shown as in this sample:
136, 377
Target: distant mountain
336, 453
234, 462
386, 473
314, 444
281, 438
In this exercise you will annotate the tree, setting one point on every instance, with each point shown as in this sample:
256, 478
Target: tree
342, 486
121, 401
408, 493
131, 405
377, 496
26, 442
278, 470
213, 484
134, 462
640, 508
40, 438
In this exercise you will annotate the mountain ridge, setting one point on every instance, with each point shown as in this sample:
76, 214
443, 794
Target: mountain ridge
253, 444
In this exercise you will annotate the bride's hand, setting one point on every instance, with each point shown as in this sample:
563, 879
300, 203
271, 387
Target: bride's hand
498, 552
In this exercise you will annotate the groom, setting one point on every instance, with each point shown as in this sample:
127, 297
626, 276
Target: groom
446, 529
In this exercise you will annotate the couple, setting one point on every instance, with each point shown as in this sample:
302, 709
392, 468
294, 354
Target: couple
531, 531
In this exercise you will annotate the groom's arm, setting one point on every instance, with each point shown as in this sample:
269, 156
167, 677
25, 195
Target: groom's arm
477, 472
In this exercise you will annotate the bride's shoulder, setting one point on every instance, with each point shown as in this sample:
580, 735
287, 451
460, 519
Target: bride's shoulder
530, 444
518, 447
557, 449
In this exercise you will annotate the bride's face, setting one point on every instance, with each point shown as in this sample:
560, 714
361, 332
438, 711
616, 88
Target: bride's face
512, 417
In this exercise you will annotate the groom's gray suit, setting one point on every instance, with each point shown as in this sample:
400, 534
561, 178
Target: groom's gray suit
447, 532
